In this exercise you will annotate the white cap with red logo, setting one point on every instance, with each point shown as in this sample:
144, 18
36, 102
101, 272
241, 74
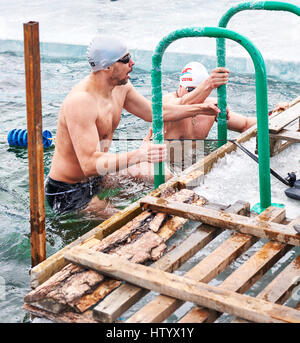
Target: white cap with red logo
193, 74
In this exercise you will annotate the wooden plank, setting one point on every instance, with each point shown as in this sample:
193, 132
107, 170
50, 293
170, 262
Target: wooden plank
126, 295
183, 288
243, 278
35, 142
162, 306
255, 267
295, 101
280, 289
256, 226
135, 241
289, 135
287, 116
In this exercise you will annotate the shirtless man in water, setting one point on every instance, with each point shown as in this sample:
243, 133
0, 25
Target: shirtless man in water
195, 86
87, 120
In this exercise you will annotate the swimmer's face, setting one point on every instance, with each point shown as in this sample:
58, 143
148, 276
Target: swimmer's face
124, 67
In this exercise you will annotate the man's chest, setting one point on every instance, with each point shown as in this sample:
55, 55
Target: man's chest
108, 117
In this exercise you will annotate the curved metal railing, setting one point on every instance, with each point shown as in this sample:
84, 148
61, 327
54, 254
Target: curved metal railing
261, 100
221, 51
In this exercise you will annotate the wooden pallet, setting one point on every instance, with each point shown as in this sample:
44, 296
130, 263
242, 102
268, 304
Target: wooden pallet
193, 286
265, 238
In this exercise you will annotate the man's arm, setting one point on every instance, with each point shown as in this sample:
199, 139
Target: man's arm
137, 104
173, 110
219, 76
193, 103
81, 115
239, 123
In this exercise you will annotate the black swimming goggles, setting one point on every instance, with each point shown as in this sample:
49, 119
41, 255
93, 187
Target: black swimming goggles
189, 89
125, 59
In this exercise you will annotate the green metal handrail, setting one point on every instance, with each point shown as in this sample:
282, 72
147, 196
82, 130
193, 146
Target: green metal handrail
253, 5
261, 100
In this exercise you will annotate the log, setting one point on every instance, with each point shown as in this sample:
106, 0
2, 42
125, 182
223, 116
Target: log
110, 308
256, 226
65, 317
54, 263
183, 288
136, 241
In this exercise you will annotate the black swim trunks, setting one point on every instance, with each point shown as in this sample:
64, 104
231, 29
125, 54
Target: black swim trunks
65, 197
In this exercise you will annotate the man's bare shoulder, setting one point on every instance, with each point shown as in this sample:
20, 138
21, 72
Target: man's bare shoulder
79, 103
79, 94
123, 90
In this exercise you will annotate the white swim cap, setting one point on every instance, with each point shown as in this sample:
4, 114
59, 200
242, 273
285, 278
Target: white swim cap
103, 51
193, 74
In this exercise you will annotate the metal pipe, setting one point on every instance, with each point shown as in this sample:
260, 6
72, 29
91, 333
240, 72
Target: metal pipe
35, 142
261, 100
221, 51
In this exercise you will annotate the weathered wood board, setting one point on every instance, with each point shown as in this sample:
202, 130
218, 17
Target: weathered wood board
77, 289
281, 288
289, 116
126, 295
73, 298
255, 226
182, 288
208, 268
289, 135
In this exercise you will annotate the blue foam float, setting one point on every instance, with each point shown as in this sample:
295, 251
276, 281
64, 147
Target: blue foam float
18, 137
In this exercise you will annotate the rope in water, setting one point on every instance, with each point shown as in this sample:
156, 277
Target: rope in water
18, 137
